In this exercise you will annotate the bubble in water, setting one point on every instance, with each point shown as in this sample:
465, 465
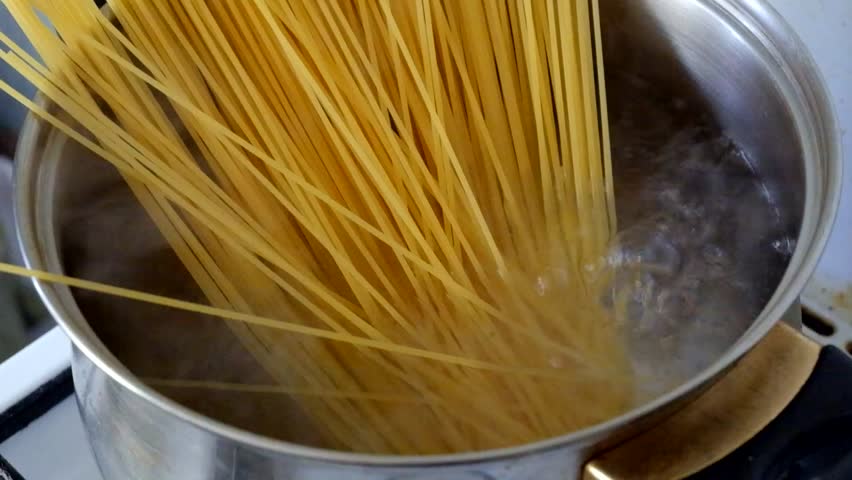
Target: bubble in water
645, 247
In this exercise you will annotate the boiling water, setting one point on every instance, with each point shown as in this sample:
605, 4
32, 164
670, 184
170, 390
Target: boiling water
701, 244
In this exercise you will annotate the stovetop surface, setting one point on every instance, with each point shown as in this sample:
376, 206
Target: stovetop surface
54, 446
41, 434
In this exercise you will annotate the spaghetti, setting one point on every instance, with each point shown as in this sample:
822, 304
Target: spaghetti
421, 188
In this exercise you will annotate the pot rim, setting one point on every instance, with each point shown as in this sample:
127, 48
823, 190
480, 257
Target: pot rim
752, 18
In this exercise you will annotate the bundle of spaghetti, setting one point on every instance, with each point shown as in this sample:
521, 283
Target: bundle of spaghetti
403, 204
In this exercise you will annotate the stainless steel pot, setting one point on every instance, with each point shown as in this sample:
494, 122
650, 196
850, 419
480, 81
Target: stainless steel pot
735, 58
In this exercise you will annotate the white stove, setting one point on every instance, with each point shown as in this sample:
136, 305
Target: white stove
42, 437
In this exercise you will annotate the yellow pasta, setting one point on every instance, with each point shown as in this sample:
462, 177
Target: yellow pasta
398, 206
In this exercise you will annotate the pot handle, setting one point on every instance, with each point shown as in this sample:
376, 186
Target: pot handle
810, 439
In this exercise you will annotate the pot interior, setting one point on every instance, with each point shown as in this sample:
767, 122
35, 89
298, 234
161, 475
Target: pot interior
710, 190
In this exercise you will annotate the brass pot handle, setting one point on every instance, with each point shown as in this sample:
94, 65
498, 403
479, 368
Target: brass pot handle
728, 414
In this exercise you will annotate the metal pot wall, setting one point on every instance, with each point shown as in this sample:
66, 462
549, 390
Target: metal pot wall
736, 59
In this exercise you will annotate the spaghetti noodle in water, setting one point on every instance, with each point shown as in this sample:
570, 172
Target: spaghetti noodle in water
398, 206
